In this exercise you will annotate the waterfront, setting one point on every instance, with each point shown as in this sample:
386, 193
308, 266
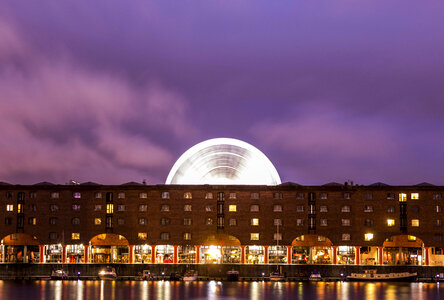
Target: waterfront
85, 290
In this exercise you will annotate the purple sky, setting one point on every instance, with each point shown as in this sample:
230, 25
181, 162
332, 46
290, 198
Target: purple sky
115, 91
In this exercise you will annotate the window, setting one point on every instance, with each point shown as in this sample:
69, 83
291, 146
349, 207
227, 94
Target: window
345, 222
414, 208
437, 196
346, 236
254, 208
346, 196
143, 195
300, 196
164, 221
321, 238
437, 237
165, 236
299, 222
209, 221
8, 221
53, 221
142, 221
411, 238
277, 196
20, 208
75, 221
254, 222
32, 207
368, 196
415, 223
368, 222
76, 207
142, 236
53, 207
75, 236
414, 196
10, 207
187, 207
402, 197
32, 195
391, 209
368, 208
390, 222
323, 222
187, 236
300, 208
345, 208
165, 207
209, 196
277, 222
277, 208
187, 195
232, 196
32, 221
98, 195
390, 196
323, 196
323, 208
109, 222
438, 223
187, 222
165, 195
143, 207
233, 222
254, 236
77, 195
208, 208
120, 221
120, 207
438, 208
53, 235
232, 208
55, 195
277, 236
110, 208
254, 196
121, 195
368, 236
97, 221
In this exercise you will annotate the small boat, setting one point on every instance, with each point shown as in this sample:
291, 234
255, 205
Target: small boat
315, 276
146, 275
233, 275
277, 276
190, 275
439, 277
371, 275
59, 274
109, 273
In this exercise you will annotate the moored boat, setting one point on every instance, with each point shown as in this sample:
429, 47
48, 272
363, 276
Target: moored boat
277, 276
109, 273
315, 276
59, 274
233, 275
371, 275
190, 275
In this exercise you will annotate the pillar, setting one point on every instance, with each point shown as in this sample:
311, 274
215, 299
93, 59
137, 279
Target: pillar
42, 253
197, 258
242, 254
380, 255
289, 255
357, 255
175, 254
64, 254
221, 254
86, 253
153, 254
131, 254
426, 256
266, 254
335, 255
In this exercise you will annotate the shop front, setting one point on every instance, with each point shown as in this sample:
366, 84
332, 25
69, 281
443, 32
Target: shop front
109, 248
20, 248
142, 254
255, 254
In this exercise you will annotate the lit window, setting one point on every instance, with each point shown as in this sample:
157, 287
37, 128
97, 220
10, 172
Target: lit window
414, 196
76, 207
232, 196
165, 236
187, 207
277, 236
10, 207
165, 207
164, 221
402, 197
187, 236
209, 221
323, 208
323, 222
277, 196
345, 222
143, 207
233, 222
321, 238
32, 221
254, 207
121, 195
208, 208
368, 196
345, 208
368, 208
323, 196
209, 196
300, 208
98, 195
254, 196
187, 195
438, 208
277, 208
232, 208
143, 195
187, 222
77, 195
75, 221
254, 236
142, 235
299, 222
109, 208
120, 207
97, 207
390, 222
415, 223
55, 195
368, 236
411, 238
346, 236
75, 236
277, 222
165, 195
97, 221
254, 222
346, 196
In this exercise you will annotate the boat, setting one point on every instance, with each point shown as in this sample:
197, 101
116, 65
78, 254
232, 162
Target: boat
277, 275
190, 275
109, 273
315, 276
439, 277
371, 275
233, 275
59, 274
146, 275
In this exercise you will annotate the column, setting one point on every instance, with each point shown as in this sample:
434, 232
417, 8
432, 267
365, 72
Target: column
221, 254
86, 253
153, 254
64, 254
242, 254
289, 254
357, 255
197, 254
42, 253
380, 255
426, 256
175, 254
131, 254
266, 254
335, 255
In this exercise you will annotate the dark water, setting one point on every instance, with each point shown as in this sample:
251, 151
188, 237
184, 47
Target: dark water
111, 290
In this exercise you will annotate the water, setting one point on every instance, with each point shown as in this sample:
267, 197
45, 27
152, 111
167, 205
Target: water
113, 290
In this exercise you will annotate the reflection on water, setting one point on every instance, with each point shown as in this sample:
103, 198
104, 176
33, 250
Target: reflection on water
114, 290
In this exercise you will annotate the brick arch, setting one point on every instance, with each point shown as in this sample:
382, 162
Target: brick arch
401, 240
310, 240
22, 239
109, 239
220, 239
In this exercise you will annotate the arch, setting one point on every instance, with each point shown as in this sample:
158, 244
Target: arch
312, 249
20, 239
109, 239
20, 248
221, 239
311, 240
403, 249
403, 240
109, 248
